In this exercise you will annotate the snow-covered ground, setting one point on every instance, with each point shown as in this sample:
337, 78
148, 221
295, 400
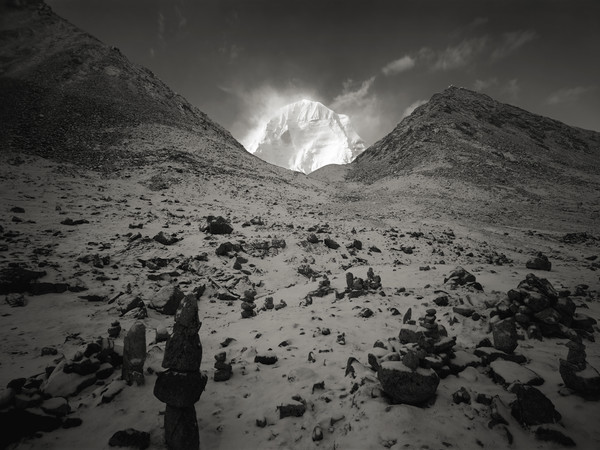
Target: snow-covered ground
350, 409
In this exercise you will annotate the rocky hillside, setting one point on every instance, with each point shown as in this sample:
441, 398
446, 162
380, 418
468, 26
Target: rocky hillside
467, 136
68, 96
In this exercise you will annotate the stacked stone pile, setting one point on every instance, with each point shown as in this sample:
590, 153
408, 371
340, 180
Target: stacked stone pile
411, 374
357, 287
224, 370
538, 308
248, 305
181, 385
578, 374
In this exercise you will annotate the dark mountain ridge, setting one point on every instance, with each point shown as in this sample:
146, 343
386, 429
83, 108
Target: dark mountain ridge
69, 97
461, 134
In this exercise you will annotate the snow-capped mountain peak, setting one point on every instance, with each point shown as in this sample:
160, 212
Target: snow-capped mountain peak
306, 135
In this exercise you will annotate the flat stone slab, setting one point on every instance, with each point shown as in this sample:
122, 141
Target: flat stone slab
489, 354
508, 372
463, 359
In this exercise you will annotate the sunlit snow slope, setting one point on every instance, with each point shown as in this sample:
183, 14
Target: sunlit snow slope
307, 135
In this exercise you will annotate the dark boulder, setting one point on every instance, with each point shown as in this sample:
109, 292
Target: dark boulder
165, 238
460, 277
16, 278
586, 381
167, 300
330, 243
532, 407
291, 410
130, 438
227, 247
404, 385
18, 423
504, 335
539, 262
217, 225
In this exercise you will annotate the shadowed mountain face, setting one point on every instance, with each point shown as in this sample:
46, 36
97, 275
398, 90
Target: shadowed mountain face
460, 134
68, 96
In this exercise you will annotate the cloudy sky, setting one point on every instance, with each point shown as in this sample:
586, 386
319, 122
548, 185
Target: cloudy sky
374, 60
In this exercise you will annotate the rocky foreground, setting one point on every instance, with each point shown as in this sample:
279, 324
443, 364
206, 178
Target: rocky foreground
325, 321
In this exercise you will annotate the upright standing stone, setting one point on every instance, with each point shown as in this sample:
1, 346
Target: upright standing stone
505, 335
349, 280
578, 374
134, 354
181, 385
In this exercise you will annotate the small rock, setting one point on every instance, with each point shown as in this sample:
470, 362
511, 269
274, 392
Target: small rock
105, 371
16, 300
546, 433
262, 422
56, 406
218, 225
227, 247
317, 434
167, 300
366, 313
130, 438
165, 238
441, 300
291, 410
72, 222
539, 262
267, 358
222, 375
461, 396
71, 422
460, 276
162, 334
463, 311
114, 330
407, 316
312, 238
484, 399
49, 351
330, 243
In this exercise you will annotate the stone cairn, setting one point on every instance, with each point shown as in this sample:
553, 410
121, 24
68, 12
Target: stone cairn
224, 370
542, 312
411, 374
248, 305
578, 374
269, 303
357, 287
181, 385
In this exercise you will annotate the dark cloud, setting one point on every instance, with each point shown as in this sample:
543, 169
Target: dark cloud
568, 95
511, 42
238, 59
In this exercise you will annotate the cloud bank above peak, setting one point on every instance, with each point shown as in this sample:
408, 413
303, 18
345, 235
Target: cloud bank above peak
239, 61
